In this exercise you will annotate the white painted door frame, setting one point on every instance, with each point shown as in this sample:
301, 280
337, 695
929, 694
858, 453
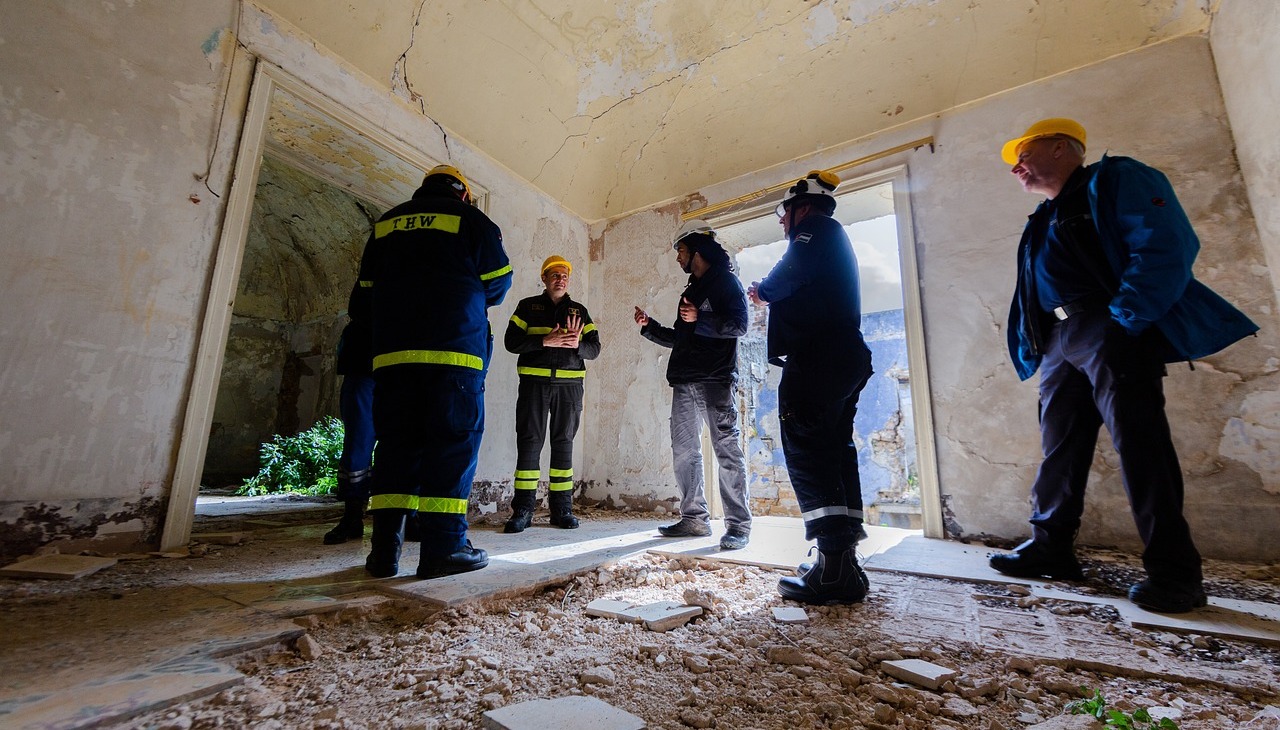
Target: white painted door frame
267, 80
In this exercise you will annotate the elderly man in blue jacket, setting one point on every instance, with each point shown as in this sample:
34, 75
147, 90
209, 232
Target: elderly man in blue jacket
1105, 297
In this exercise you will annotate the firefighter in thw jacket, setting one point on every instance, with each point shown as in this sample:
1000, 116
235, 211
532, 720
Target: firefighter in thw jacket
431, 269
554, 336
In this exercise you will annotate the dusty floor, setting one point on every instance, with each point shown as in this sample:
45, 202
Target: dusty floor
382, 662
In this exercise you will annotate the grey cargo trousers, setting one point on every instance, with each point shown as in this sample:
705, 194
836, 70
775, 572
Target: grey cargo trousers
716, 404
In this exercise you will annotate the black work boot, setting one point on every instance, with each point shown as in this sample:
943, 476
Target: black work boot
686, 527
1039, 559
351, 526
388, 536
465, 560
561, 504
858, 536
522, 506
835, 578
1164, 596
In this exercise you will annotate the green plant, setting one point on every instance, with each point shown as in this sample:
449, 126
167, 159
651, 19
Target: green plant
1139, 719
306, 463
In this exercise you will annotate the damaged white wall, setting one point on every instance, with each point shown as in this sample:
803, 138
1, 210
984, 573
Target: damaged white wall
968, 215
108, 126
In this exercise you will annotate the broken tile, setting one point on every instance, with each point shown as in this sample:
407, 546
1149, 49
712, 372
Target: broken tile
570, 713
790, 615
666, 615
57, 567
609, 608
918, 672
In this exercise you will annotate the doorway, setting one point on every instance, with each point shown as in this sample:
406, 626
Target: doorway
308, 134
893, 429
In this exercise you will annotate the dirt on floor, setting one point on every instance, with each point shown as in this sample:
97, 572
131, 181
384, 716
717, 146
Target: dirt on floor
398, 664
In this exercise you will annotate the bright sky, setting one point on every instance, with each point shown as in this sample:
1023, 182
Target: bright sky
875, 243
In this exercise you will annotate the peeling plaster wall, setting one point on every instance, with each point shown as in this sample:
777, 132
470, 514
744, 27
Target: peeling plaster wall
106, 124
1248, 58
111, 239
968, 214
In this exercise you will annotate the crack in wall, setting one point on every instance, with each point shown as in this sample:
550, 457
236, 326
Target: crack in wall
400, 71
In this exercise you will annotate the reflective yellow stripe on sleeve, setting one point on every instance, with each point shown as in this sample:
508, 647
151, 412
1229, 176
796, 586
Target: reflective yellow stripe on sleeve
496, 273
428, 357
416, 222
442, 505
520, 323
589, 328
539, 330
543, 372
393, 501
366, 284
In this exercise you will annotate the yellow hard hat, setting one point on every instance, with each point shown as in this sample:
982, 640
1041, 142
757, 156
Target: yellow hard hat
556, 261
460, 180
1043, 128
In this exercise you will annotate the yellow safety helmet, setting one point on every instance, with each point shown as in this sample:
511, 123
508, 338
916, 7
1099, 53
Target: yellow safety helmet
1057, 126
819, 185
556, 261
459, 180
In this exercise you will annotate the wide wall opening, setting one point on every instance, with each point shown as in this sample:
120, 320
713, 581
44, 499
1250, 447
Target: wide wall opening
885, 430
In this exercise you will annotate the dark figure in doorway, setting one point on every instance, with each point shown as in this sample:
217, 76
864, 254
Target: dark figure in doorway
355, 406
554, 336
815, 320
1105, 297
702, 371
434, 266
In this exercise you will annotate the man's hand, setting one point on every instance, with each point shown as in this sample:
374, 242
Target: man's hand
566, 336
688, 312
753, 293
641, 318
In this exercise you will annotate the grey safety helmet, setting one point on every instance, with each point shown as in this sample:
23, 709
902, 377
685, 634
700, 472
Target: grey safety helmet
818, 187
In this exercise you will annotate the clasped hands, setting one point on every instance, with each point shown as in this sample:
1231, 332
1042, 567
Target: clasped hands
566, 336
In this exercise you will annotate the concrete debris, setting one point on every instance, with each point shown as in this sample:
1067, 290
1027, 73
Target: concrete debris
790, 615
585, 713
660, 616
597, 675
918, 672
220, 538
308, 648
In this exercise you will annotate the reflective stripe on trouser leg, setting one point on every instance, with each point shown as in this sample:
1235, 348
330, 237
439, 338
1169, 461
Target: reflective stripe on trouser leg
355, 406
686, 450
429, 422
561, 480
531, 433
817, 400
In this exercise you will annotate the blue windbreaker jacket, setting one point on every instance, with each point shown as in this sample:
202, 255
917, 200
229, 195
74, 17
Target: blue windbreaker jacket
1150, 246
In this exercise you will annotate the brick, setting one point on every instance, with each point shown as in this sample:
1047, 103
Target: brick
918, 672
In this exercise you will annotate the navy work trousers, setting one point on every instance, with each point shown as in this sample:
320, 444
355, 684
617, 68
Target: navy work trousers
817, 402
1094, 373
429, 422
355, 406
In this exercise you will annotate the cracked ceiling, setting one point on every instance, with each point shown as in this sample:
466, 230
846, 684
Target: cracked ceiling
613, 106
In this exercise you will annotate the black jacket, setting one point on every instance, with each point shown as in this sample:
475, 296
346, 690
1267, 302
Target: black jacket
431, 269
813, 292
705, 350
537, 316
